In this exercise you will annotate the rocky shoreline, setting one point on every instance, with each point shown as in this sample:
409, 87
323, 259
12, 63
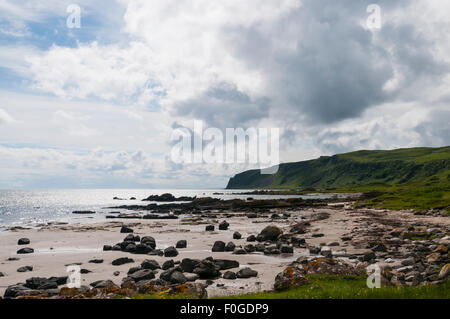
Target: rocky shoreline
211, 247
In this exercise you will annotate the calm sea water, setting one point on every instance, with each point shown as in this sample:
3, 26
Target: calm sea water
31, 208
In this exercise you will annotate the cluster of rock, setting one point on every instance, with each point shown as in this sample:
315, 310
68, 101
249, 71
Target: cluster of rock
195, 205
167, 197
146, 245
270, 242
294, 275
408, 255
36, 286
173, 276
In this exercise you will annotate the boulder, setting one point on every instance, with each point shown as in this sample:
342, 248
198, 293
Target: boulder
166, 274
23, 241
59, 280
107, 248
191, 277
285, 249
125, 230
299, 228
18, 290
104, 284
132, 270
272, 250
246, 273
181, 244
177, 277
150, 264
289, 278
260, 247
194, 289
237, 235
445, 272
368, 255
188, 265
330, 266
239, 251
408, 261
207, 269
170, 252
41, 283
149, 241
230, 246
297, 241
25, 251
142, 249
24, 269
219, 246
249, 248
122, 261
379, 248
209, 228
434, 258
96, 261
229, 275
441, 249
225, 264
143, 274
130, 248
270, 233
223, 225
251, 238
168, 264
333, 244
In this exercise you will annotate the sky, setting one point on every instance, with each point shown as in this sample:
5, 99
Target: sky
96, 106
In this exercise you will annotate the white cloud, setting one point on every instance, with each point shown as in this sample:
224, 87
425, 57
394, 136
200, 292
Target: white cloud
5, 118
177, 52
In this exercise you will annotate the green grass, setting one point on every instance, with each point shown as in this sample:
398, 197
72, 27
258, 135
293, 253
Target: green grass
332, 287
429, 193
419, 172
352, 287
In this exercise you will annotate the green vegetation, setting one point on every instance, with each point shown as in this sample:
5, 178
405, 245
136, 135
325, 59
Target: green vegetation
352, 287
417, 178
333, 287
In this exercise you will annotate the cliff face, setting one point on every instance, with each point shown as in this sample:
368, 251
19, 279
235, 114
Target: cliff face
352, 169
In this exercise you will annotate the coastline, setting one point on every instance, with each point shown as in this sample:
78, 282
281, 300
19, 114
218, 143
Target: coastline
59, 245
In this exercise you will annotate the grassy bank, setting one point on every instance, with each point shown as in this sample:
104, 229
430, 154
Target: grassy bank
334, 287
352, 287
429, 193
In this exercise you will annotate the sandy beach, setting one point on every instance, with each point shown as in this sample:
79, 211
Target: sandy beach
56, 246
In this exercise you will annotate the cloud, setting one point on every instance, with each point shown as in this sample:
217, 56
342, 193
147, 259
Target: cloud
5, 118
312, 59
310, 67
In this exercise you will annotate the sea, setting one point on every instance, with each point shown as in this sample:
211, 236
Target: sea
34, 208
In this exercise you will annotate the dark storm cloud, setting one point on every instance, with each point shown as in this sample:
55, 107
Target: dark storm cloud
224, 106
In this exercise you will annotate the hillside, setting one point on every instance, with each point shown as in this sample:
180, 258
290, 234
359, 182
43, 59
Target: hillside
355, 169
